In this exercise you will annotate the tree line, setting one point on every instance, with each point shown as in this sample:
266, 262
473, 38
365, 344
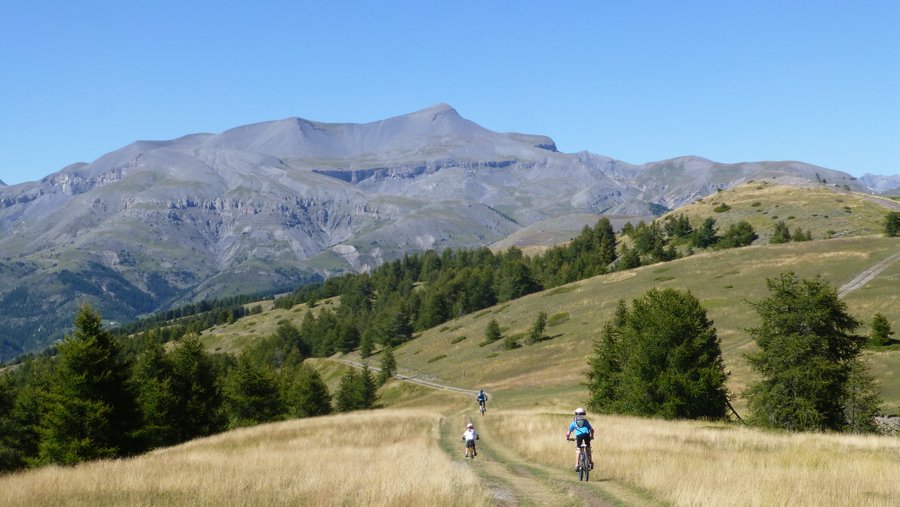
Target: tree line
95, 399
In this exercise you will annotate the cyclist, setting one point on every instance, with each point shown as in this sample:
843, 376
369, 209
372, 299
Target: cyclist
481, 398
584, 432
470, 436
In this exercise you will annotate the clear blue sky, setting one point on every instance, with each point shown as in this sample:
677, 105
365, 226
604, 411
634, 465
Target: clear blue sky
729, 80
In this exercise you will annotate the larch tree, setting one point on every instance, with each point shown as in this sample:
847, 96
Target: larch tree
807, 357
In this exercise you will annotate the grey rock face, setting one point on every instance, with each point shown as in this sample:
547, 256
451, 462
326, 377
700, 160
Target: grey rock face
267, 206
888, 185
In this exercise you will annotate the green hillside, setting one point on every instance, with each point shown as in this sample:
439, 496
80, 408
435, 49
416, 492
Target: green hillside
825, 211
551, 372
724, 282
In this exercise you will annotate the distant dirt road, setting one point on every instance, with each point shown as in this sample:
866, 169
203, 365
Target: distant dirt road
867, 275
414, 380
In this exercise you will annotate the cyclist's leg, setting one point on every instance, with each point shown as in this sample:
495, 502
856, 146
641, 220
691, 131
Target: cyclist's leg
578, 441
590, 454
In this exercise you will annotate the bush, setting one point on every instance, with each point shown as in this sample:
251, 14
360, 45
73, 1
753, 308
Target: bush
557, 319
722, 208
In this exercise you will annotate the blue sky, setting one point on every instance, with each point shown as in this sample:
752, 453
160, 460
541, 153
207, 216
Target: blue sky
817, 81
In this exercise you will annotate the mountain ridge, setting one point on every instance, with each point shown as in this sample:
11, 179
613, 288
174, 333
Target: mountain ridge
270, 205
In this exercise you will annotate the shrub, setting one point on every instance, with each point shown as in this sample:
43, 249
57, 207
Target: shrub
558, 319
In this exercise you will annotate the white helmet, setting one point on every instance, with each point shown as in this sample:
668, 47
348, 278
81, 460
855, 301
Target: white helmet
470, 426
580, 411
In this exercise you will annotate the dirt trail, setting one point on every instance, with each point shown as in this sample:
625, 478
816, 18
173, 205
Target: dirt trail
860, 280
512, 479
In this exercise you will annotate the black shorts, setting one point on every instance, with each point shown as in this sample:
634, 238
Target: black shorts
470, 443
582, 438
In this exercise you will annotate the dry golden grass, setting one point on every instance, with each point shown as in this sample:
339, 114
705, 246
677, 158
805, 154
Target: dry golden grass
697, 463
373, 458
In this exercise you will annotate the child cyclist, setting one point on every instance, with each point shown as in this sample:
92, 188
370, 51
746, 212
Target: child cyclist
470, 436
584, 432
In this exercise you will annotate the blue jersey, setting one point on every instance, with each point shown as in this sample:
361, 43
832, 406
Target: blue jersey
580, 427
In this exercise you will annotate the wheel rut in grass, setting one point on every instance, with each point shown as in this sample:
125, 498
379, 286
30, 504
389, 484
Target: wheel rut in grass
516, 481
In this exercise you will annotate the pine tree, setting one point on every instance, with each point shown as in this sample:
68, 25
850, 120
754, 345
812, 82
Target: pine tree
492, 332
91, 412
892, 223
366, 345
388, 366
738, 235
665, 358
357, 391
195, 386
781, 233
151, 379
629, 259
806, 355
11, 455
881, 330
861, 399
605, 365
304, 393
250, 394
705, 236
536, 333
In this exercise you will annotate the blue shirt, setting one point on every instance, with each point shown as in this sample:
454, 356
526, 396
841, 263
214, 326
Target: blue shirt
584, 429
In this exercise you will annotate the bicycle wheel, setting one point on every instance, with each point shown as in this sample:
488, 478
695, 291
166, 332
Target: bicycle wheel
584, 467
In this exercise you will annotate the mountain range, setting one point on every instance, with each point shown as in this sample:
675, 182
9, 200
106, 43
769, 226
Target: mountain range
262, 208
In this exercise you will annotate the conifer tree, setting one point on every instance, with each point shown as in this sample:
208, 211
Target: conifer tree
152, 381
90, 412
605, 365
195, 384
781, 233
536, 333
250, 393
492, 332
304, 393
358, 391
11, 456
892, 224
881, 330
660, 358
806, 356
861, 399
705, 235
388, 366
738, 235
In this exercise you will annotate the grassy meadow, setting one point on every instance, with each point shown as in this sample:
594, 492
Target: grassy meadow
386, 457
713, 464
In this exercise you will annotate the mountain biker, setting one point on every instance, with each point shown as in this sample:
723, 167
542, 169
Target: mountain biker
470, 436
481, 398
584, 432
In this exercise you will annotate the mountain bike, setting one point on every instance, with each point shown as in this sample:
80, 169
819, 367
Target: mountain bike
584, 463
481, 407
